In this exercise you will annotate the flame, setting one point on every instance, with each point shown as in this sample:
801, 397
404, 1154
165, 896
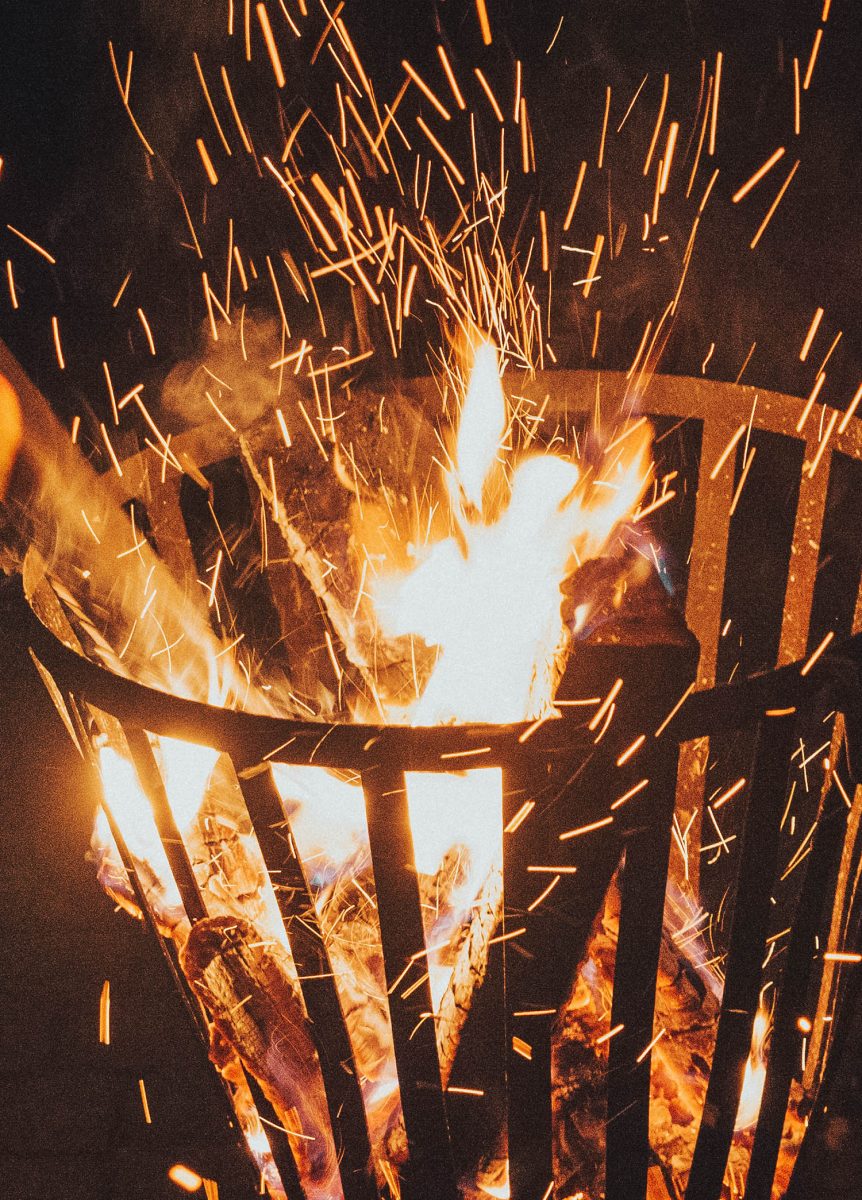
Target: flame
755, 1073
488, 596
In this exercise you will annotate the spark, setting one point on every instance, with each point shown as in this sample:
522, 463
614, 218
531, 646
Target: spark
492, 100
611, 1033
809, 337
646, 1050
633, 791
775, 157
235, 111
659, 119
110, 449
713, 123
627, 113
631, 752
842, 956
271, 47
816, 654
520, 816
55, 328
105, 1014
851, 409
148, 1120
809, 403
209, 101
664, 174
797, 124
543, 895
601, 157
730, 793
184, 1177
575, 196
556, 34
13, 295
124, 96
815, 463
774, 205
726, 452
441, 151
809, 70
207, 161
148, 333
573, 833
426, 90
605, 705
523, 1048
594, 262
121, 289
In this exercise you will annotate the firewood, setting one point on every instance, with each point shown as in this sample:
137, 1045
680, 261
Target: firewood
246, 985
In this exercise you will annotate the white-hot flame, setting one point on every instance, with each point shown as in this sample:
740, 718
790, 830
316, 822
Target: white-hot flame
755, 1073
488, 597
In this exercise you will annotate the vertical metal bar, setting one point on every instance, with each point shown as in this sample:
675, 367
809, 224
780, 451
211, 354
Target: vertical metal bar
644, 882
430, 1171
784, 1044
154, 789
757, 865
308, 947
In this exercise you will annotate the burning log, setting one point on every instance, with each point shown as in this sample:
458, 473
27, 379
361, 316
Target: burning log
246, 983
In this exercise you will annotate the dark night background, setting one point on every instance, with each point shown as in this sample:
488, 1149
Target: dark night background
73, 178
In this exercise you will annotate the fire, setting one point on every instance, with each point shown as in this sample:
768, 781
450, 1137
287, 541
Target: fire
755, 1073
488, 595
486, 598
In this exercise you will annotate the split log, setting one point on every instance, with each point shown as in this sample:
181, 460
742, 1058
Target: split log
245, 983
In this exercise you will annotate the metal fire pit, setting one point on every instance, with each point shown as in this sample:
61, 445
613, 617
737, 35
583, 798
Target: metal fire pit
560, 766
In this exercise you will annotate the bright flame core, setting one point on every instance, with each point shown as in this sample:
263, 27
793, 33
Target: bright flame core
755, 1073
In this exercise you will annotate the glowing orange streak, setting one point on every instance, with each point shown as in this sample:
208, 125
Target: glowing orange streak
601, 157
851, 409
823, 441
594, 262
573, 833
713, 124
426, 90
774, 204
520, 816
809, 403
354, 57
13, 296
484, 23
148, 333
492, 100
33, 245
809, 70
631, 751
727, 451
730, 793
210, 104
820, 649
758, 175
659, 119
842, 956
441, 151
125, 99
450, 77
55, 328
664, 174
633, 791
271, 47
366, 133
606, 1037
809, 337
110, 449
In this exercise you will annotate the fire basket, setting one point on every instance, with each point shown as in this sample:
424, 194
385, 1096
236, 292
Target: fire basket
573, 796
537, 976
